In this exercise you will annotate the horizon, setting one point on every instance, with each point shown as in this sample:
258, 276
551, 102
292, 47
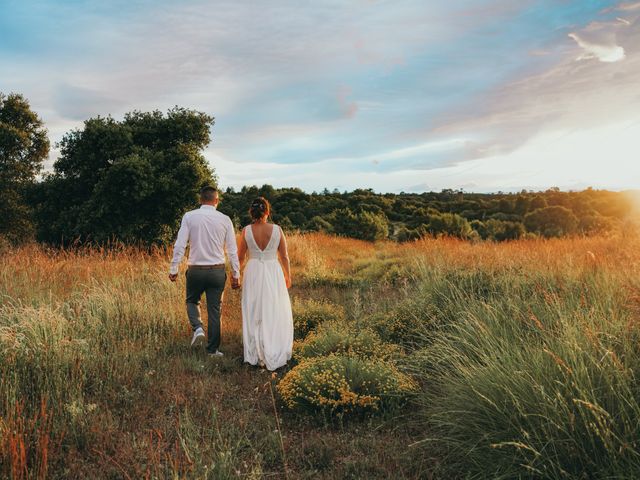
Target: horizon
483, 96
635, 191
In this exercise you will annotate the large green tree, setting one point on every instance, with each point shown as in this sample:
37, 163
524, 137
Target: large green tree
23, 147
128, 180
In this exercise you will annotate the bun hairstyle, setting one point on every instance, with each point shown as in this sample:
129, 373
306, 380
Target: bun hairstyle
259, 208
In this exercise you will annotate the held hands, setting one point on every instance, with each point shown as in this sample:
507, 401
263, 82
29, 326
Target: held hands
235, 283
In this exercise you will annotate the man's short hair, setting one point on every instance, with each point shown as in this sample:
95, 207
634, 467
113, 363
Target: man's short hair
208, 193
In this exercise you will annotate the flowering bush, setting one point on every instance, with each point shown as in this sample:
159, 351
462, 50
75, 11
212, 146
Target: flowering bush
345, 339
308, 314
342, 384
402, 325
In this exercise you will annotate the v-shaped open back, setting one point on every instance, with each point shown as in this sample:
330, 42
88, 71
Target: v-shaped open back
270, 251
256, 243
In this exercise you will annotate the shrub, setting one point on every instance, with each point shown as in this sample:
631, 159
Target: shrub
405, 234
553, 221
308, 314
364, 225
318, 224
342, 384
448, 224
391, 271
326, 278
498, 230
5, 245
345, 339
406, 322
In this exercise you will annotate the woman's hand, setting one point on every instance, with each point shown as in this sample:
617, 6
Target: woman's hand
287, 280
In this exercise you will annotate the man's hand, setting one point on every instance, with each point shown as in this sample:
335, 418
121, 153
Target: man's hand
173, 277
235, 283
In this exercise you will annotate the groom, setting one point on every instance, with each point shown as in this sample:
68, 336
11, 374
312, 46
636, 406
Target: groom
208, 232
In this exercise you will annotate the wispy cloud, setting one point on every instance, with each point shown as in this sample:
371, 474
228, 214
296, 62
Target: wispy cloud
568, 95
598, 40
331, 93
629, 6
77, 103
602, 51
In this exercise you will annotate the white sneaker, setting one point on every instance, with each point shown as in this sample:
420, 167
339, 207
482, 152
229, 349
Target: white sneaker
217, 353
198, 337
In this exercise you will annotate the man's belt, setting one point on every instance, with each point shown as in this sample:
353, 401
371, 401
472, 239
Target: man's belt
220, 266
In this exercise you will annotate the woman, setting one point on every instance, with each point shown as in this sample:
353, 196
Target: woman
267, 322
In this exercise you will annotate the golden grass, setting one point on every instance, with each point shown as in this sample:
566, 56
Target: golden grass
35, 273
114, 327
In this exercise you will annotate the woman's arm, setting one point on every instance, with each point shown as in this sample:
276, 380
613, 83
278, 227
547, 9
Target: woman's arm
242, 248
284, 258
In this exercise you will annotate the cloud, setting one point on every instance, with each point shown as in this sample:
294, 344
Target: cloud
599, 39
563, 159
78, 103
603, 52
349, 108
385, 92
568, 95
629, 6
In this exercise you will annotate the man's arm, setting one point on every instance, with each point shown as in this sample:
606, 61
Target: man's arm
232, 250
179, 247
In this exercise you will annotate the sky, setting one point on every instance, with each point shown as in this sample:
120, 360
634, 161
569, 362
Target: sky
398, 95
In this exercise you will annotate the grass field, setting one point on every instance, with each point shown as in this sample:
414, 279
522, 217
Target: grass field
433, 359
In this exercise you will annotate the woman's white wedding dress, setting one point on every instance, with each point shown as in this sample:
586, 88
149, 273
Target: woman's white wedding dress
267, 322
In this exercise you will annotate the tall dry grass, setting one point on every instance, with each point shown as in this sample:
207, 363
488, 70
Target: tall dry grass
530, 369
525, 352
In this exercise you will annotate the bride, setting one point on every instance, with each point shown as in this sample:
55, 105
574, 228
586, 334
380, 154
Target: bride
267, 322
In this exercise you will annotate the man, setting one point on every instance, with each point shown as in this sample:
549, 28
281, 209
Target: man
208, 232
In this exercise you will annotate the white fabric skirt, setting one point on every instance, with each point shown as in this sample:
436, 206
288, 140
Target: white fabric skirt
267, 321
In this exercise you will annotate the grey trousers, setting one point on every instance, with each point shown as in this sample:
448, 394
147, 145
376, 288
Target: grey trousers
211, 282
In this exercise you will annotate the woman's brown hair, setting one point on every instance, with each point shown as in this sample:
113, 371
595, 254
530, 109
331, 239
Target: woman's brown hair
259, 208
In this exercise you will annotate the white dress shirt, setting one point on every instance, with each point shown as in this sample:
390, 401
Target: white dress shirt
208, 232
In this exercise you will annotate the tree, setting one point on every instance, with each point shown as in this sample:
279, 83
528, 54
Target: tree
405, 234
511, 231
318, 224
497, 217
127, 180
448, 224
593, 222
554, 221
522, 204
23, 147
364, 226
498, 230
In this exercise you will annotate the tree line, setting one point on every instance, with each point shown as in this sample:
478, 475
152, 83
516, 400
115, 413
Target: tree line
131, 180
367, 215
